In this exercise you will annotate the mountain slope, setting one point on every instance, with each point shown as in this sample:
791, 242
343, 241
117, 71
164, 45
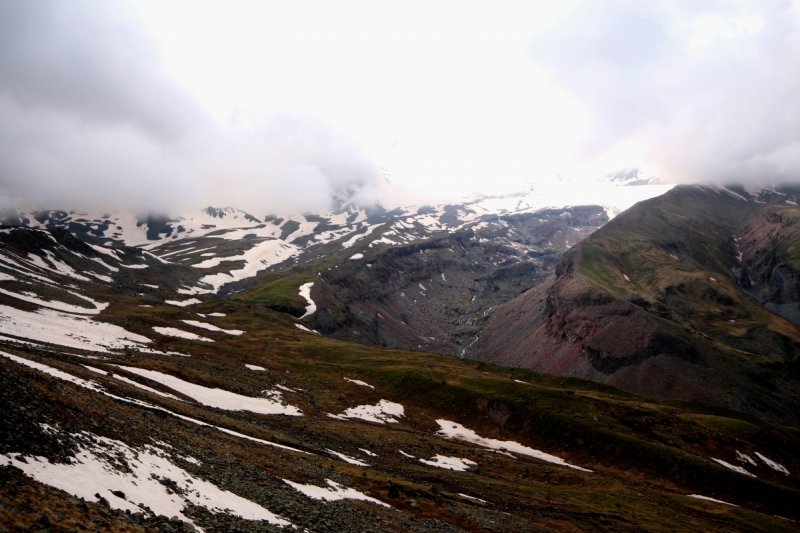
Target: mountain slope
226, 415
428, 293
652, 303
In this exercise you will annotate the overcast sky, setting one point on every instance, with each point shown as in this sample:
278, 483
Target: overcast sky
278, 106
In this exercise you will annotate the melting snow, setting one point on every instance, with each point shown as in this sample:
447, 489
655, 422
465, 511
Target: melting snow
772, 464
80, 332
218, 398
255, 367
53, 372
32, 297
305, 292
332, 493
347, 458
216, 314
357, 256
381, 412
301, 326
91, 385
743, 457
261, 256
733, 467
358, 382
131, 382
711, 499
174, 332
457, 431
212, 327
472, 498
368, 452
92, 473
449, 463
183, 303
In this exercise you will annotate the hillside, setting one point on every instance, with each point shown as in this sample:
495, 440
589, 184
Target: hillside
129, 405
671, 298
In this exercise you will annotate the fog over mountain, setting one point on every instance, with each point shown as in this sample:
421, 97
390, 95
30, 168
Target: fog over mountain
707, 89
97, 108
88, 117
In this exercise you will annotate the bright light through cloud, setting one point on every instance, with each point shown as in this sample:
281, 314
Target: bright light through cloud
268, 104
441, 95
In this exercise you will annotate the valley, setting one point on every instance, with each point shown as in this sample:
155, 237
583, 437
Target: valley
139, 393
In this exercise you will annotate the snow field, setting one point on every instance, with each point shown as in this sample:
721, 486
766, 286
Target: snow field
73, 331
91, 385
91, 473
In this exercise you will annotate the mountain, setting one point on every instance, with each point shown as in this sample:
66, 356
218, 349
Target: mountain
675, 297
138, 393
228, 245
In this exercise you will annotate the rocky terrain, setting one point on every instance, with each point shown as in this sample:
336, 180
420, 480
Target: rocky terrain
138, 394
667, 300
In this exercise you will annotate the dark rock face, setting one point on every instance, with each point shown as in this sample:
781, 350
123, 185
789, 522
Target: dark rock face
653, 303
435, 294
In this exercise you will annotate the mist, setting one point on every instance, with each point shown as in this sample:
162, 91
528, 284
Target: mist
705, 91
89, 119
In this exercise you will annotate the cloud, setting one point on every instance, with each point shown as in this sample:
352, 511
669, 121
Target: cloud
709, 89
89, 119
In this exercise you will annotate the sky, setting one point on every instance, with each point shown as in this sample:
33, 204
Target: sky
282, 106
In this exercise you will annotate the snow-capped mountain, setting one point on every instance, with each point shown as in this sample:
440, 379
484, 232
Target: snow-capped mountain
232, 245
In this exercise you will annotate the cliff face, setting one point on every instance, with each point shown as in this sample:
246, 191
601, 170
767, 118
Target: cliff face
435, 294
666, 300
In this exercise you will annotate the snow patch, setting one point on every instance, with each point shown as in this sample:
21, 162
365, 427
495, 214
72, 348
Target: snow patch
46, 325
174, 332
381, 412
347, 458
773, 465
711, 499
182, 303
33, 298
358, 382
212, 327
305, 292
255, 367
218, 398
332, 493
456, 431
472, 498
449, 463
301, 326
733, 467
90, 472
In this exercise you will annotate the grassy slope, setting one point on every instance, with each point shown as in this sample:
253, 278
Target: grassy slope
678, 253
632, 440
